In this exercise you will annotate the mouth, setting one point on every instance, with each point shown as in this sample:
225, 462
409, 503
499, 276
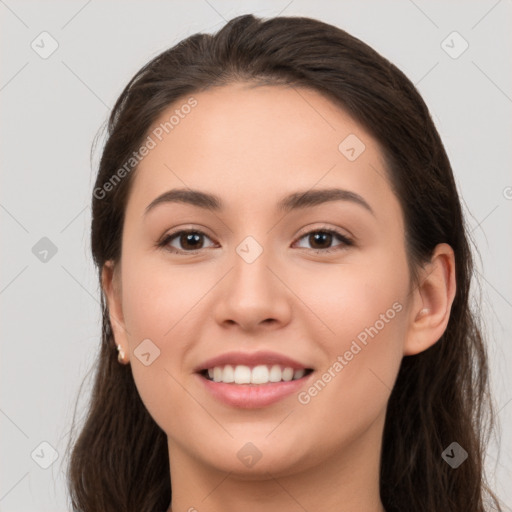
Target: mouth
257, 375
253, 387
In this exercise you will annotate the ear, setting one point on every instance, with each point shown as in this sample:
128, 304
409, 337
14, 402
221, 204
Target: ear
111, 285
432, 301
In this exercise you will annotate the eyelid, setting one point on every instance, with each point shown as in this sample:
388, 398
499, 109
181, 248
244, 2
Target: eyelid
347, 240
196, 228
326, 227
167, 237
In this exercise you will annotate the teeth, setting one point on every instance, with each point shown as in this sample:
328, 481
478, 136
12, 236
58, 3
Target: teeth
217, 374
228, 374
260, 374
242, 374
298, 374
275, 373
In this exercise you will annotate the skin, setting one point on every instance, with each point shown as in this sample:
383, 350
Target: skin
251, 146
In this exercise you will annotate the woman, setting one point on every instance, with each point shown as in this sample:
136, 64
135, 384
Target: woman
244, 365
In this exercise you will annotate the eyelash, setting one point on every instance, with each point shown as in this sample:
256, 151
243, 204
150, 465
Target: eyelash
167, 239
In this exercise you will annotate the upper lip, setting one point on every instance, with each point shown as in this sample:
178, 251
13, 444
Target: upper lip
250, 359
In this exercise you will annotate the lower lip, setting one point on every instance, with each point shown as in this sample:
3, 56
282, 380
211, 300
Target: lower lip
253, 396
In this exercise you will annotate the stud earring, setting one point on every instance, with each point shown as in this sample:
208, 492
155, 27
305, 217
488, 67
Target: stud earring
120, 355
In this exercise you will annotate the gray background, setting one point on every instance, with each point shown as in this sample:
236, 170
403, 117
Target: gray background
51, 110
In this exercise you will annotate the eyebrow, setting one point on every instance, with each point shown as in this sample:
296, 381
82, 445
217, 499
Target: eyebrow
294, 201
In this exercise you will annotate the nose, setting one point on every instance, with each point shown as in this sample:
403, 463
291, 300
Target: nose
254, 293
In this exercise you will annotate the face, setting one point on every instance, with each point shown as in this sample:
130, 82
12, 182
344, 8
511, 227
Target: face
323, 283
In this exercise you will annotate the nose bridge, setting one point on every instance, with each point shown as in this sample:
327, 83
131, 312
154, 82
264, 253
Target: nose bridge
251, 262
252, 293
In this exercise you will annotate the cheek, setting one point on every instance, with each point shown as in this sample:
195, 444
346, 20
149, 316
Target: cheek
161, 305
354, 298
153, 310
364, 307
156, 298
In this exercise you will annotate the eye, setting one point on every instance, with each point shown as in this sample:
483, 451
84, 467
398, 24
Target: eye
322, 237
190, 240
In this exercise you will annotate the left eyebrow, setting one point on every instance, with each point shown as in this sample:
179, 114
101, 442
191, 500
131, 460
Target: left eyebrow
294, 201
310, 198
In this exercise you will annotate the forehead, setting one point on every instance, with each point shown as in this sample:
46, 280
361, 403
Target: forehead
253, 144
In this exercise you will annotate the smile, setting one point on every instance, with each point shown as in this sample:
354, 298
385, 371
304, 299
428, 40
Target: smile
246, 394
260, 374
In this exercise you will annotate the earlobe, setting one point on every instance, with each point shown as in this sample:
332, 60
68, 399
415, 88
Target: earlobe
432, 301
112, 291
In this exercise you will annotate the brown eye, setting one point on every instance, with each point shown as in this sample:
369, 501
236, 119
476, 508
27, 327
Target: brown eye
192, 241
321, 240
188, 241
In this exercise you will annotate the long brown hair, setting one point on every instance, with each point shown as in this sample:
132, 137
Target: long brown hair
119, 461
